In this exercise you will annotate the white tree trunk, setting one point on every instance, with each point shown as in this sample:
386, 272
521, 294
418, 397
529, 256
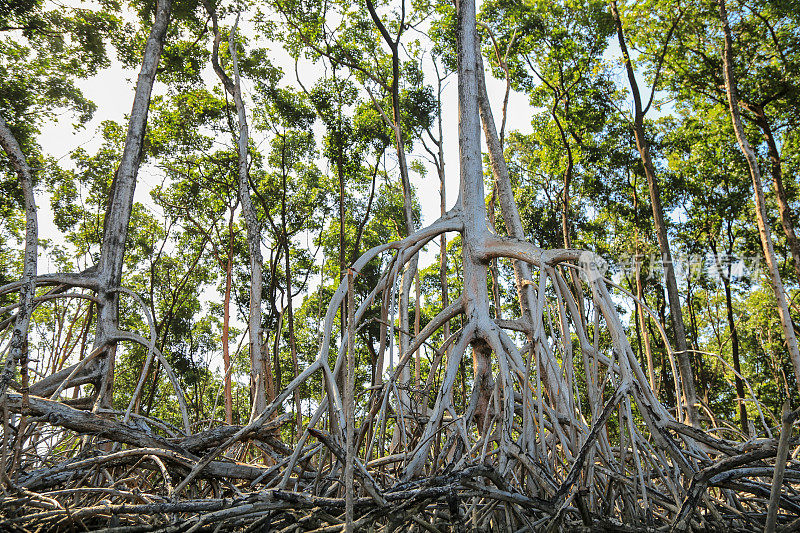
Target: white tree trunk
761, 209
118, 212
260, 374
508, 207
18, 351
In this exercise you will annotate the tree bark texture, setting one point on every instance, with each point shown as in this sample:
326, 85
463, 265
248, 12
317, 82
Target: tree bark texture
761, 210
118, 213
776, 169
676, 314
260, 370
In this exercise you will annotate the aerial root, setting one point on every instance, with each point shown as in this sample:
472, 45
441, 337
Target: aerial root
563, 432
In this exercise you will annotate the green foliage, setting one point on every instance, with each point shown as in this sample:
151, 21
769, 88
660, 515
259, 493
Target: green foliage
44, 50
323, 139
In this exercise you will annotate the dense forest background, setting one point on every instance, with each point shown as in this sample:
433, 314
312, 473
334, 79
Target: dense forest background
275, 142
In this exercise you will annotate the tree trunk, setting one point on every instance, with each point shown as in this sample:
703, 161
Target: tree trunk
19, 337
702, 377
479, 331
226, 356
118, 212
408, 211
726, 282
568, 172
648, 350
761, 209
342, 242
780, 193
552, 378
289, 307
440, 169
643, 146
411, 272
471, 191
18, 347
261, 381
260, 372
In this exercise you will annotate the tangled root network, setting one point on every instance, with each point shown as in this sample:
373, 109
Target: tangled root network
558, 428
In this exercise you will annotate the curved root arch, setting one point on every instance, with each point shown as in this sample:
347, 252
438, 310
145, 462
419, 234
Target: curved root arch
558, 407
555, 425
